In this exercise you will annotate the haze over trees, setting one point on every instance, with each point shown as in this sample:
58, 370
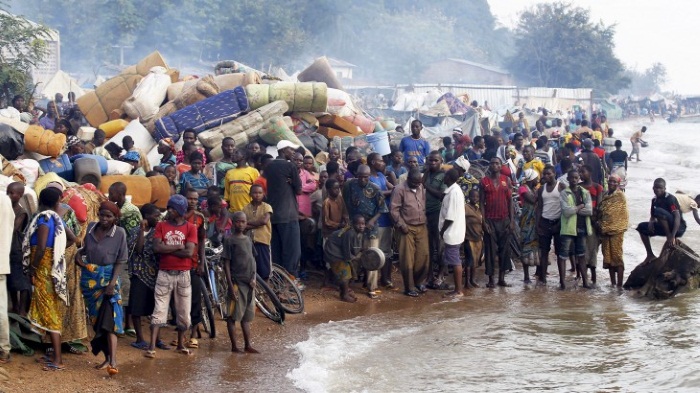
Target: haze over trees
391, 41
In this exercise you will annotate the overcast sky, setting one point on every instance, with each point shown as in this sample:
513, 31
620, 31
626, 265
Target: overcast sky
647, 32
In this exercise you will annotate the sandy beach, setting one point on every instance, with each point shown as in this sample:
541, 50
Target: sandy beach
212, 363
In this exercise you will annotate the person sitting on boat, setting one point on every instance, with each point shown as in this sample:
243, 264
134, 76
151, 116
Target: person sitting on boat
666, 220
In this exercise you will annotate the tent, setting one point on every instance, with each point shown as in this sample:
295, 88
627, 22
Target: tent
60, 83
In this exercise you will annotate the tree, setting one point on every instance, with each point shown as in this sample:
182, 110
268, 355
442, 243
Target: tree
23, 47
557, 45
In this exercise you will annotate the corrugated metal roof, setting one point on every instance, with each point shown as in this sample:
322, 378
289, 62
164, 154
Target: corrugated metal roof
503, 96
554, 92
339, 63
482, 66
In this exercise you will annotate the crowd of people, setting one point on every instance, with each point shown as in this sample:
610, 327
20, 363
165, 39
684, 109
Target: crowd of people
541, 188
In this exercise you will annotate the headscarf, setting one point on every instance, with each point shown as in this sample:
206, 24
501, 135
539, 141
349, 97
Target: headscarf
132, 156
179, 204
169, 143
111, 206
463, 163
530, 174
72, 140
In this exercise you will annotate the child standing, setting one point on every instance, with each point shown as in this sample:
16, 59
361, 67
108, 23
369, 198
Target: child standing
334, 214
219, 222
260, 228
239, 266
474, 239
341, 251
194, 178
447, 151
19, 286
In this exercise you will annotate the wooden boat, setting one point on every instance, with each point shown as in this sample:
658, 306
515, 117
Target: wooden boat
694, 118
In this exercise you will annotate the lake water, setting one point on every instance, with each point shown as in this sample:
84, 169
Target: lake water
528, 338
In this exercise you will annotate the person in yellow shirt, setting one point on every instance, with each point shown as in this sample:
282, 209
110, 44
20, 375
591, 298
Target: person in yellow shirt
598, 134
529, 161
238, 181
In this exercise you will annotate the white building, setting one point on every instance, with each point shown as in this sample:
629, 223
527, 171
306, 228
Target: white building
342, 69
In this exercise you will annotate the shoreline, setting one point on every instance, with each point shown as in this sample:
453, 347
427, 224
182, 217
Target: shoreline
200, 370
213, 367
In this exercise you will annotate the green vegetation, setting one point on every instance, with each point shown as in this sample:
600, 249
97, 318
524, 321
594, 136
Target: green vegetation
23, 46
390, 40
557, 45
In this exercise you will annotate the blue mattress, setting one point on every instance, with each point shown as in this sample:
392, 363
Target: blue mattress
203, 115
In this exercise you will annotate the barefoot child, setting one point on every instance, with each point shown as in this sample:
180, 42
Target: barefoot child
258, 214
239, 266
334, 216
341, 250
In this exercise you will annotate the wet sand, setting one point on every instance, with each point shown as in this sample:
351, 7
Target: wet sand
214, 368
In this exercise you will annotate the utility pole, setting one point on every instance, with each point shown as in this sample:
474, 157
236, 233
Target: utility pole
121, 52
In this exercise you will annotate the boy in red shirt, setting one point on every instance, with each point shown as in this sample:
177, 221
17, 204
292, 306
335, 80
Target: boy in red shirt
175, 241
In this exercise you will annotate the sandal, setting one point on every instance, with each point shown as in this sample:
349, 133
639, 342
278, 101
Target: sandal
112, 371
151, 354
193, 343
174, 343
130, 332
162, 345
142, 345
184, 351
44, 359
411, 293
51, 366
74, 350
372, 295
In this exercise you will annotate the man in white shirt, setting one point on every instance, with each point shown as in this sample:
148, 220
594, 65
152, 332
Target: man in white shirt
6, 231
452, 224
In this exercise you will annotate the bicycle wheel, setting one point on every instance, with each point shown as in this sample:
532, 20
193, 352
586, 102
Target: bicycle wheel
221, 289
286, 290
208, 314
267, 301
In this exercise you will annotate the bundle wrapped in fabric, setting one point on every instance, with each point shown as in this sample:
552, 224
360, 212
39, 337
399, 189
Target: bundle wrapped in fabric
148, 95
320, 71
209, 113
250, 123
301, 97
220, 82
108, 96
29, 169
276, 129
44, 142
11, 171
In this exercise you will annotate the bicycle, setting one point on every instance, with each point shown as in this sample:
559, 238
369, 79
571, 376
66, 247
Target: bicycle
288, 293
216, 278
208, 324
267, 301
